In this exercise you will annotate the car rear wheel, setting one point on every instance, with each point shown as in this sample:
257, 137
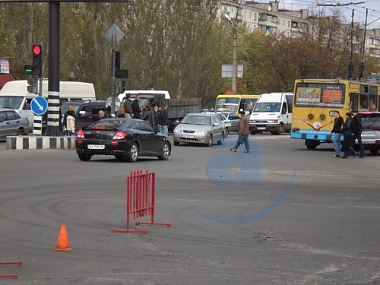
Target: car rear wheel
84, 156
20, 131
133, 153
374, 150
165, 152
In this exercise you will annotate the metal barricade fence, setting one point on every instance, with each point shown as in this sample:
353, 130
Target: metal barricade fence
141, 191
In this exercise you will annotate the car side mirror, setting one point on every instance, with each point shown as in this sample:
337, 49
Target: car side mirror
82, 113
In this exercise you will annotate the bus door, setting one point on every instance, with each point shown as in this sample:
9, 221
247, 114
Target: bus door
354, 101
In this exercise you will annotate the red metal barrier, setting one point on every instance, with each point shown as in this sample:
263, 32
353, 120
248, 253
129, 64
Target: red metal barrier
141, 191
11, 276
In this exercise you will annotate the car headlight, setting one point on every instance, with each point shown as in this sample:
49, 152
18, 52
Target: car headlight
201, 133
177, 130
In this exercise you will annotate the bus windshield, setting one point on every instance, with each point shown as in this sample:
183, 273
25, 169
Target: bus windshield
227, 104
267, 107
320, 95
11, 102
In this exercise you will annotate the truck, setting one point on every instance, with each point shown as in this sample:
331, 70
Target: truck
272, 113
178, 108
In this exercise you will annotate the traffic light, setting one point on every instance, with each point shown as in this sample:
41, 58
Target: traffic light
32, 85
36, 67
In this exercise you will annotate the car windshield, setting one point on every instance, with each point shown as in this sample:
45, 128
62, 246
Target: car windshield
197, 120
221, 117
371, 121
267, 107
112, 123
11, 102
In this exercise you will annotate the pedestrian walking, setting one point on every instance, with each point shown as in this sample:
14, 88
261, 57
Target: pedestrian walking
357, 128
337, 131
243, 132
348, 141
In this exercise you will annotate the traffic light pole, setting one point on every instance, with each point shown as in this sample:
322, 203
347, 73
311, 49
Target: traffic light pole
53, 87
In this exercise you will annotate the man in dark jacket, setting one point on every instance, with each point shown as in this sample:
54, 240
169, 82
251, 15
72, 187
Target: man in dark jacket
357, 127
136, 108
149, 116
128, 107
337, 131
164, 119
348, 141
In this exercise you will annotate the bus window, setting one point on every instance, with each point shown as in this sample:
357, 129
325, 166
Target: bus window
372, 98
363, 102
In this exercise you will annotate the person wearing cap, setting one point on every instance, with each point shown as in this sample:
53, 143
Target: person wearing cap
243, 132
357, 128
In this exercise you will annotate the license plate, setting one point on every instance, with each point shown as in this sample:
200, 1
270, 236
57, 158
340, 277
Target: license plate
261, 128
96, 146
367, 133
188, 136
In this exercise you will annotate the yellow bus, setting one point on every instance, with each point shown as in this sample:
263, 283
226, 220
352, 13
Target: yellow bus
234, 102
315, 101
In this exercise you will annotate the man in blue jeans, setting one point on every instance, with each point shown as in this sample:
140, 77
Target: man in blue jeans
243, 131
337, 130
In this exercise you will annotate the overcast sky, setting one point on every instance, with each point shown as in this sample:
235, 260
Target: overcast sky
359, 6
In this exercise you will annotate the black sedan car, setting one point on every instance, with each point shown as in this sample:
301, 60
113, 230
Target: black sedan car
126, 139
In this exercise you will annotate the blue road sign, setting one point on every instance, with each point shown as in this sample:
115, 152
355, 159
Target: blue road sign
39, 105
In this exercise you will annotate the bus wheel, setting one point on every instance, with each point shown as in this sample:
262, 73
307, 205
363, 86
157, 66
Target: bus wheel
310, 144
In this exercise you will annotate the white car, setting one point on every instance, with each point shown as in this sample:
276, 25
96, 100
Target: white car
371, 131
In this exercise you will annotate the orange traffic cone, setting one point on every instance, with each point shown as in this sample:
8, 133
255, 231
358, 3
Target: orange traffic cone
63, 240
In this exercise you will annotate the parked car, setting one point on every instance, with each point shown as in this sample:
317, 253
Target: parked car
124, 138
12, 124
371, 131
201, 128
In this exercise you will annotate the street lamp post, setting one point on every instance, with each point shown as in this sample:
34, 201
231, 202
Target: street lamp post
234, 23
234, 55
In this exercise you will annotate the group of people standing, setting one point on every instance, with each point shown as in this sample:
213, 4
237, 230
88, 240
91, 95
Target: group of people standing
156, 117
351, 130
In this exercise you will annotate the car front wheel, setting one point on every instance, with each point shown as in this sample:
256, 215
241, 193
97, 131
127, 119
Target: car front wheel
209, 143
133, 153
165, 152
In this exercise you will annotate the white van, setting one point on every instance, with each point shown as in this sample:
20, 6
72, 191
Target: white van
14, 95
272, 113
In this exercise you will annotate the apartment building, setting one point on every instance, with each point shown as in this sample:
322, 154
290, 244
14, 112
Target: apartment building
268, 17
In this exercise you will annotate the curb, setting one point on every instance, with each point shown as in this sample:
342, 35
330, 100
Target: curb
40, 142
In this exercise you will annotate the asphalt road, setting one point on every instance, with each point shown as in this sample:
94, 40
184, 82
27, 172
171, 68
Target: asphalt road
279, 215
